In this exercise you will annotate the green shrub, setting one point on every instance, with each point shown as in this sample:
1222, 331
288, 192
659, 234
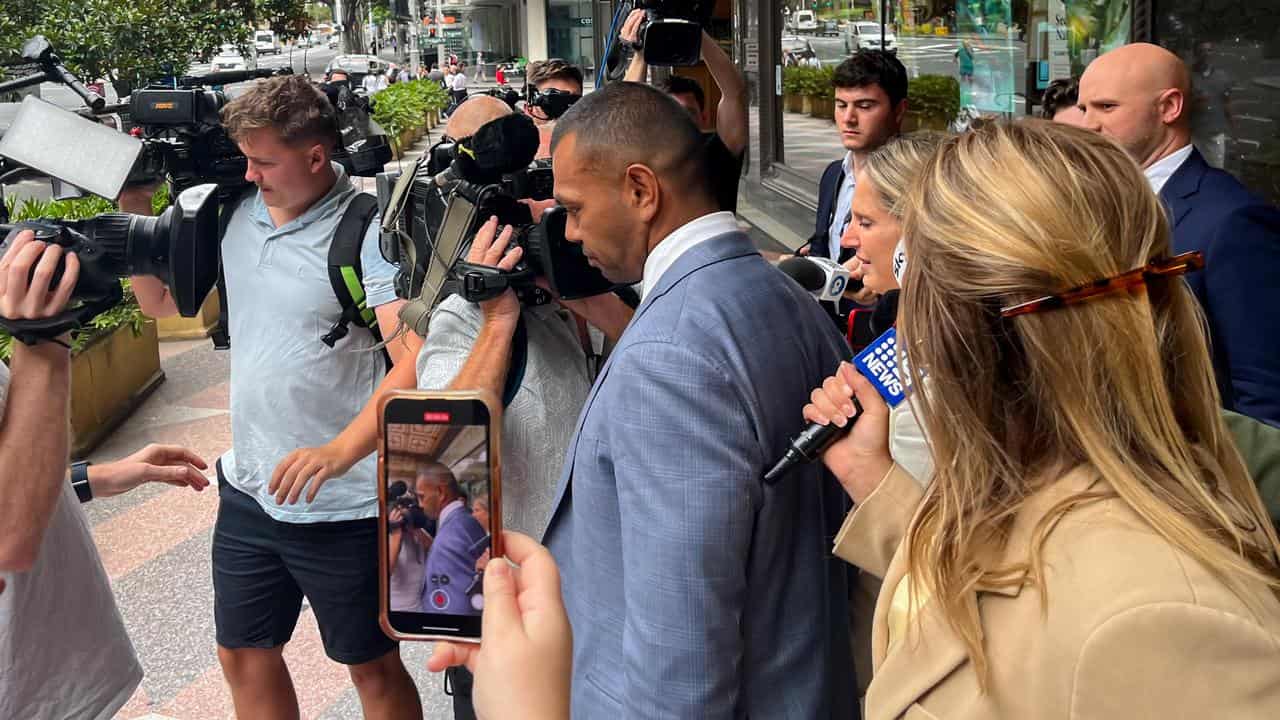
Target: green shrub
127, 311
404, 105
935, 96
800, 80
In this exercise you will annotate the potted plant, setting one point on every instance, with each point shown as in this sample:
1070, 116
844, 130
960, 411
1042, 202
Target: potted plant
793, 88
402, 110
115, 357
822, 94
933, 102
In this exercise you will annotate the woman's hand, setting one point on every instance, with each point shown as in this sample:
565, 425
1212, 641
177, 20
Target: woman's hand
860, 459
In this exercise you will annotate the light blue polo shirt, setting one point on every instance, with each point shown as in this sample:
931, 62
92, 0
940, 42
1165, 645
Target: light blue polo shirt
288, 389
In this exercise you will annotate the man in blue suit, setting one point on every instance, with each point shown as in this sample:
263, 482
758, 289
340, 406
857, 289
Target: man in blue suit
871, 102
459, 542
695, 590
1139, 95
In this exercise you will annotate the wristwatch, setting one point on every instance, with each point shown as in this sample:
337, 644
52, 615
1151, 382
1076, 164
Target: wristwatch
80, 481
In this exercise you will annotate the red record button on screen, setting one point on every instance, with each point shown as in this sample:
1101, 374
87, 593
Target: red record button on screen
436, 417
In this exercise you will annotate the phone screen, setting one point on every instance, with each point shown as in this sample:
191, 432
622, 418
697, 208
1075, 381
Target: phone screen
438, 494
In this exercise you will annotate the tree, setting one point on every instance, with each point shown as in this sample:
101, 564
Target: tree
134, 41
319, 13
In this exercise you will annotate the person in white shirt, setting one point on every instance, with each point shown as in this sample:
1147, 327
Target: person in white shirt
64, 651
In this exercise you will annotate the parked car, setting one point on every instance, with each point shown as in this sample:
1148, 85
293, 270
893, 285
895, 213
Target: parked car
830, 28
355, 66
867, 36
228, 58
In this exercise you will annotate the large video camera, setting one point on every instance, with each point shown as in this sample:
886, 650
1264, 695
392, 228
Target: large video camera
435, 211
180, 247
672, 31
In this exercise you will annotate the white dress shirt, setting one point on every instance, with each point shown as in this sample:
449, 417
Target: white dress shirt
1159, 172
844, 204
683, 239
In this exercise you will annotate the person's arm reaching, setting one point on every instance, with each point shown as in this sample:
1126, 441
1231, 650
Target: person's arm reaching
731, 113
688, 493
33, 428
490, 359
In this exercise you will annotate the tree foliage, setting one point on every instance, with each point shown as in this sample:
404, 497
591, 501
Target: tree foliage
132, 41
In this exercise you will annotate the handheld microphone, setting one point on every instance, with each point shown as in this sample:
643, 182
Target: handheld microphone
825, 278
877, 363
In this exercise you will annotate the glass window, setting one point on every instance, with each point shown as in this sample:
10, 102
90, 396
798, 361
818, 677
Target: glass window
570, 34
1233, 50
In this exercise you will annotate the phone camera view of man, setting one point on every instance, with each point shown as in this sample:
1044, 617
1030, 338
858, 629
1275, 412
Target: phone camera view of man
436, 506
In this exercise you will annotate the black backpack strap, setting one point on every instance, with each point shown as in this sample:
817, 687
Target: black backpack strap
346, 275
519, 363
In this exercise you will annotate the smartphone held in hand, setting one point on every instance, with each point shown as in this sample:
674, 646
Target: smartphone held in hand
440, 511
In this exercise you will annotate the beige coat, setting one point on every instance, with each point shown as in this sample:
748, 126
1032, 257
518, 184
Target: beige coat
1132, 629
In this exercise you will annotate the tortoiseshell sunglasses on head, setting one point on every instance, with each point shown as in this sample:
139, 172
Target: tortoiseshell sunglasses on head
1159, 268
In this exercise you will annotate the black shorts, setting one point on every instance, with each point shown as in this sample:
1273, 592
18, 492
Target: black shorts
262, 568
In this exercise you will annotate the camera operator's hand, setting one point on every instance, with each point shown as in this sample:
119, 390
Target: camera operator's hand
308, 466
167, 464
525, 656
630, 34
27, 295
490, 248
395, 519
866, 295
860, 459
136, 199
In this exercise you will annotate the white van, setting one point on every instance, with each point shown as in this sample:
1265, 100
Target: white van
805, 21
264, 41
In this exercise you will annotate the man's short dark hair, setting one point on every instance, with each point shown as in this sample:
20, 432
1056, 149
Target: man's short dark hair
554, 69
291, 105
680, 85
1061, 94
873, 67
626, 123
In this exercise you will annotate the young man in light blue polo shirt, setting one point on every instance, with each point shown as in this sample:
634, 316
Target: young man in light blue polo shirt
298, 508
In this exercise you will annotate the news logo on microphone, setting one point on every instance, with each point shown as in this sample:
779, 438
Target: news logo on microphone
879, 364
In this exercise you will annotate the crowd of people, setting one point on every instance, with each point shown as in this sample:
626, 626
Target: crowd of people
1074, 514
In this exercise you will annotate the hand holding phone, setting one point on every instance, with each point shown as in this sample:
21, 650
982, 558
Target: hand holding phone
526, 656
437, 453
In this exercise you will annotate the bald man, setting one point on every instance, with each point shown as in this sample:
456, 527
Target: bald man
473, 114
1139, 96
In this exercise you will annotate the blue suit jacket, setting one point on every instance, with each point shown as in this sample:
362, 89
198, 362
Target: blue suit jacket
695, 590
1239, 234
828, 193
451, 564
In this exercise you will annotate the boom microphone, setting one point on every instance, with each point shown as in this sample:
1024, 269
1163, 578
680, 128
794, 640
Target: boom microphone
879, 364
825, 278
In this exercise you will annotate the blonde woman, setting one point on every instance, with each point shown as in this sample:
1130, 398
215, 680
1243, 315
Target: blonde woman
1091, 545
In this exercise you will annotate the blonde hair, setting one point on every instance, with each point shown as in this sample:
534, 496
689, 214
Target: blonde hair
1121, 385
893, 166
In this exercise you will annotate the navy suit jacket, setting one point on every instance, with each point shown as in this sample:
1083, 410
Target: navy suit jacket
828, 193
695, 590
1239, 288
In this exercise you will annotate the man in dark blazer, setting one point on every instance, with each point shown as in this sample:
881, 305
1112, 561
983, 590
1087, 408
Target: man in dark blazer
871, 101
459, 542
1139, 95
695, 589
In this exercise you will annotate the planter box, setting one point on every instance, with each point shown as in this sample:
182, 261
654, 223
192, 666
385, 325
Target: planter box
794, 103
109, 379
192, 328
822, 107
916, 121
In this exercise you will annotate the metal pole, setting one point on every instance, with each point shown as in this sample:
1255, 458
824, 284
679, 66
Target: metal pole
413, 37
373, 33
440, 33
